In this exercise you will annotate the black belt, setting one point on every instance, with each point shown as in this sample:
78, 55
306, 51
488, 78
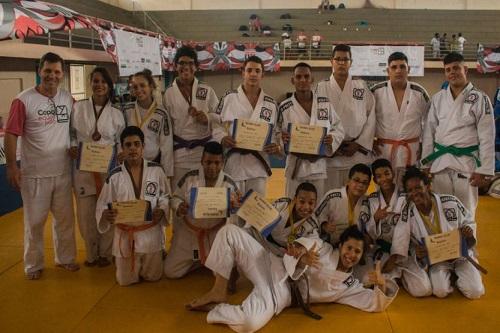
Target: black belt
255, 154
189, 144
298, 301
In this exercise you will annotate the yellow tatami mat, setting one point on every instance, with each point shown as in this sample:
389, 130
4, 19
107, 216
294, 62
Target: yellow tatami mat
90, 301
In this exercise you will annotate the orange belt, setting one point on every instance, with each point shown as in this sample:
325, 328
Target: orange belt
130, 230
395, 144
201, 235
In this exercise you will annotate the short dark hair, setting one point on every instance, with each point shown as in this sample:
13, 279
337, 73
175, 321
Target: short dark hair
381, 163
213, 148
352, 232
397, 56
146, 73
107, 77
51, 58
414, 172
131, 131
254, 59
342, 48
453, 57
186, 51
302, 64
361, 168
307, 187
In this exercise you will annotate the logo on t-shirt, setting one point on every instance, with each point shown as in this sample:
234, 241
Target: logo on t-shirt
62, 114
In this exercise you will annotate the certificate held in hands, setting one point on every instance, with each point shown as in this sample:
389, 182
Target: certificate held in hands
209, 202
132, 212
251, 135
444, 246
94, 157
306, 139
258, 212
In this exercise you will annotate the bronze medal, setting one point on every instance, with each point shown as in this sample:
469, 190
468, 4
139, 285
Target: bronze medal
96, 136
192, 110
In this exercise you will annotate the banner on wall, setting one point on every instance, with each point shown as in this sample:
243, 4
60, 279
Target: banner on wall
222, 56
137, 52
488, 59
371, 60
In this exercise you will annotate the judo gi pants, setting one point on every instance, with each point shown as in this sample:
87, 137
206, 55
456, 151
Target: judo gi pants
469, 279
449, 181
41, 195
148, 266
96, 244
256, 184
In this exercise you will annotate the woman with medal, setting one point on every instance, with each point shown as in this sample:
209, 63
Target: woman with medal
153, 120
95, 121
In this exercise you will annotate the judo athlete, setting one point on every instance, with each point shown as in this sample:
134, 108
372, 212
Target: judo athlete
192, 238
354, 104
306, 107
458, 146
94, 120
137, 247
401, 109
428, 213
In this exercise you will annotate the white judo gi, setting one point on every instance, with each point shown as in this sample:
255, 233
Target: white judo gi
452, 215
191, 242
335, 207
400, 130
414, 279
158, 136
464, 122
44, 125
189, 135
138, 253
247, 170
86, 185
285, 229
269, 274
355, 106
298, 170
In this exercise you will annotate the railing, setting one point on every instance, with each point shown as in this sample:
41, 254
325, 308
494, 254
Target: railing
71, 39
324, 52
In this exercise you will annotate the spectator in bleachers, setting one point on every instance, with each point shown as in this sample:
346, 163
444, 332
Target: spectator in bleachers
461, 42
444, 45
324, 5
454, 43
301, 43
266, 30
436, 44
316, 42
255, 24
287, 41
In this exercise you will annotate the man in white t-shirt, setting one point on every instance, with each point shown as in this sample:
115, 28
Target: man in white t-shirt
461, 41
41, 116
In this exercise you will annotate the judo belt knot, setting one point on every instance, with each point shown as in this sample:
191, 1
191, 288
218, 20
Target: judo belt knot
201, 235
395, 145
131, 230
455, 151
298, 301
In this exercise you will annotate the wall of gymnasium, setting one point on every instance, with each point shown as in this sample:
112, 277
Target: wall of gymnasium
293, 4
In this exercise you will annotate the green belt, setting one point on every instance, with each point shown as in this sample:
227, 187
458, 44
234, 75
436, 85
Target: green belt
455, 151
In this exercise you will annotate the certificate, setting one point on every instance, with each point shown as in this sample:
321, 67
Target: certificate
444, 246
130, 212
306, 139
251, 135
209, 202
95, 157
258, 212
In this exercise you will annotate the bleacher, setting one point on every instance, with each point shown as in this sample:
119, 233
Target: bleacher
383, 25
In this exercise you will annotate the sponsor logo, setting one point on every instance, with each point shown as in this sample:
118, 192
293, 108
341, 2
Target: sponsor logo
266, 113
322, 114
472, 98
349, 281
450, 214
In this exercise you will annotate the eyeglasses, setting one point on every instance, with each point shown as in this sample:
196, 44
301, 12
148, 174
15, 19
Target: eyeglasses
185, 63
340, 60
